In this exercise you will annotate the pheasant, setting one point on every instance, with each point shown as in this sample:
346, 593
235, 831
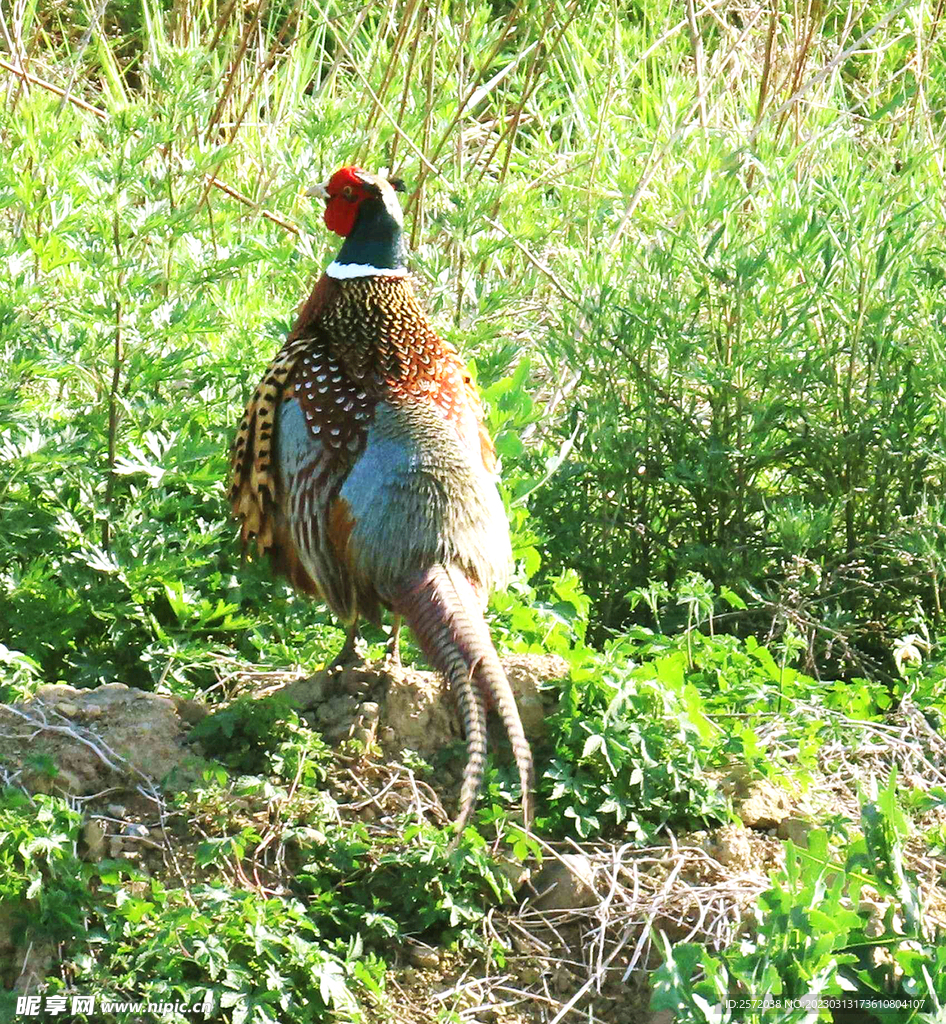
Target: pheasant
363, 469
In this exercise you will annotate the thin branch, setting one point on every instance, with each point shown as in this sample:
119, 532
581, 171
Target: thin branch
221, 186
535, 261
831, 66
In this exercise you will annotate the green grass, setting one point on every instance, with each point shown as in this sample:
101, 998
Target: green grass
695, 256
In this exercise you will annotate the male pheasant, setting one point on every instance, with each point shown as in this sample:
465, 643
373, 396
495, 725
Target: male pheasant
362, 467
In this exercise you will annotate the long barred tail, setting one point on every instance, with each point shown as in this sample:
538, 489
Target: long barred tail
443, 610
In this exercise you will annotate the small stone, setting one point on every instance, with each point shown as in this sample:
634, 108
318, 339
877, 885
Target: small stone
526, 672
517, 873
562, 980
191, 711
748, 923
93, 832
566, 883
875, 926
337, 709
731, 847
68, 709
116, 810
36, 782
796, 829
759, 803
67, 781
305, 694
423, 956
357, 684
370, 712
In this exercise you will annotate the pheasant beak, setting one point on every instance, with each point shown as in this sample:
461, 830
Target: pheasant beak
318, 191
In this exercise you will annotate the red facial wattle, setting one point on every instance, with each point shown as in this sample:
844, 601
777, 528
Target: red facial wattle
340, 214
345, 193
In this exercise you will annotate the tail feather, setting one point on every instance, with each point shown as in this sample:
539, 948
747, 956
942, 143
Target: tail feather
443, 610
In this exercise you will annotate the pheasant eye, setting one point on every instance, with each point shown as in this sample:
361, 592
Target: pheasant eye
348, 192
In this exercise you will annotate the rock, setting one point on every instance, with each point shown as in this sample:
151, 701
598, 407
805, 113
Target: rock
563, 980
337, 710
366, 723
422, 714
796, 829
305, 694
730, 846
422, 955
359, 681
566, 883
765, 806
875, 911
530, 975
336, 733
111, 734
41, 781
190, 711
370, 712
93, 834
407, 708
38, 960
525, 672
354, 680
759, 803
515, 871
418, 712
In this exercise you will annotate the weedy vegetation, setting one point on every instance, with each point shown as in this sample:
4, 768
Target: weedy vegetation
694, 253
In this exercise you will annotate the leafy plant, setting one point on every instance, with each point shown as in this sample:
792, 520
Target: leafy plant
42, 887
19, 675
258, 734
814, 935
629, 749
237, 955
415, 885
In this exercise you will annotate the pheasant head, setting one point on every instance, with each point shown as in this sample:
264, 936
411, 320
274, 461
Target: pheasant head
363, 208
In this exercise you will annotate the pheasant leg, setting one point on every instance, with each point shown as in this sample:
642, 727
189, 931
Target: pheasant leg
392, 653
352, 652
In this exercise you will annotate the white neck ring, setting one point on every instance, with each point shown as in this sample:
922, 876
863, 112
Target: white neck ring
346, 271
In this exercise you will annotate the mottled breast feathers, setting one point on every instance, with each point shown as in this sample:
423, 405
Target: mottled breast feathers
355, 343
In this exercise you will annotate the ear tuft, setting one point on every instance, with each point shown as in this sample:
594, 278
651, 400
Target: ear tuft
397, 184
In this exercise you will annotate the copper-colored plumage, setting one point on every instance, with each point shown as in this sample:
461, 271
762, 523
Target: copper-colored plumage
352, 343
